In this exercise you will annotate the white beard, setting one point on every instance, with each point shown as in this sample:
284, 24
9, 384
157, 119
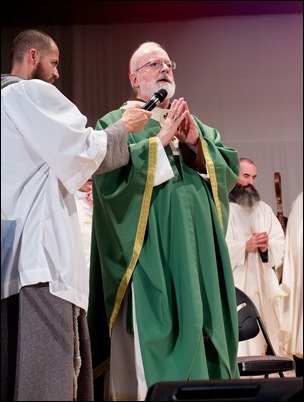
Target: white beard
148, 89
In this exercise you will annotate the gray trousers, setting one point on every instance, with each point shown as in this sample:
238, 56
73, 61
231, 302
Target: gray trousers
38, 348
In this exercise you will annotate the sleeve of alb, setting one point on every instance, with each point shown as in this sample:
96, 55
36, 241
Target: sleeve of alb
117, 154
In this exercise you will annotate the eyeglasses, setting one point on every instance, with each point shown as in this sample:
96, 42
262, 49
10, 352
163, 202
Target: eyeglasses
154, 65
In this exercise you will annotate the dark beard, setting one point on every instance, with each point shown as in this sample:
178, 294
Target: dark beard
246, 196
39, 73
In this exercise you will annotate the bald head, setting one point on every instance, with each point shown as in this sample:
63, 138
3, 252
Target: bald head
146, 48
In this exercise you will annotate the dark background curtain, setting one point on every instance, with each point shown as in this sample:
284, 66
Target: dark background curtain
239, 66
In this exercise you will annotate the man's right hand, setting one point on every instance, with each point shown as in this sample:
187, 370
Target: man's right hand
135, 118
258, 240
175, 116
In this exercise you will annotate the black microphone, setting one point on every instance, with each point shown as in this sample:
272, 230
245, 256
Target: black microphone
159, 96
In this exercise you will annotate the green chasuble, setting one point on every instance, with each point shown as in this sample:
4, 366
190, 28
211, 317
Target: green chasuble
169, 240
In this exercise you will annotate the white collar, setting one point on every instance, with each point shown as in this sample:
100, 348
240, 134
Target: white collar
158, 114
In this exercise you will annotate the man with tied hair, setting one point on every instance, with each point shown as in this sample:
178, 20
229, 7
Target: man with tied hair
159, 260
47, 154
256, 245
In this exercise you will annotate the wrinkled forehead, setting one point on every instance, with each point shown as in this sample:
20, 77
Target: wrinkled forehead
248, 168
152, 53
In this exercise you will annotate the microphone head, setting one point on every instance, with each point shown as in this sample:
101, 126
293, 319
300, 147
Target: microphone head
161, 94
158, 96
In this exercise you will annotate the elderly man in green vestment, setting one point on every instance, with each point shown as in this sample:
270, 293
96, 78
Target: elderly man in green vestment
161, 282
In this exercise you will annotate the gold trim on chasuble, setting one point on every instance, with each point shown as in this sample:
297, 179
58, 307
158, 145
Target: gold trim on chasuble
141, 229
213, 181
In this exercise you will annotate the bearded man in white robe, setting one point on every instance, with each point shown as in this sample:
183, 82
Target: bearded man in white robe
256, 244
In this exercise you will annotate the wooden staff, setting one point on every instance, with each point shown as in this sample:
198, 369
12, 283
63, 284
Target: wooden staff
278, 192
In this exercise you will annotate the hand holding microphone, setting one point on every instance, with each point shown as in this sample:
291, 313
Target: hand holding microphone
175, 116
136, 118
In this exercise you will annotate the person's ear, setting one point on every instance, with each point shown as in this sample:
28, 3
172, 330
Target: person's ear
33, 56
133, 80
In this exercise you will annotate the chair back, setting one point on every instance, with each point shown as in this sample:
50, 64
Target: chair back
247, 316
250, 324
250, 321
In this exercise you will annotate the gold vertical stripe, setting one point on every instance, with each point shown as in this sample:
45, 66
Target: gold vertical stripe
141, 229
213, 181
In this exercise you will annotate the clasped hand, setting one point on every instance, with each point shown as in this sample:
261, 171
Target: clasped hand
179, 123
258, 240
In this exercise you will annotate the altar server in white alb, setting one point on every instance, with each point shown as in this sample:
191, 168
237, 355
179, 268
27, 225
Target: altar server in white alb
256, 244
84, 203
47, 154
